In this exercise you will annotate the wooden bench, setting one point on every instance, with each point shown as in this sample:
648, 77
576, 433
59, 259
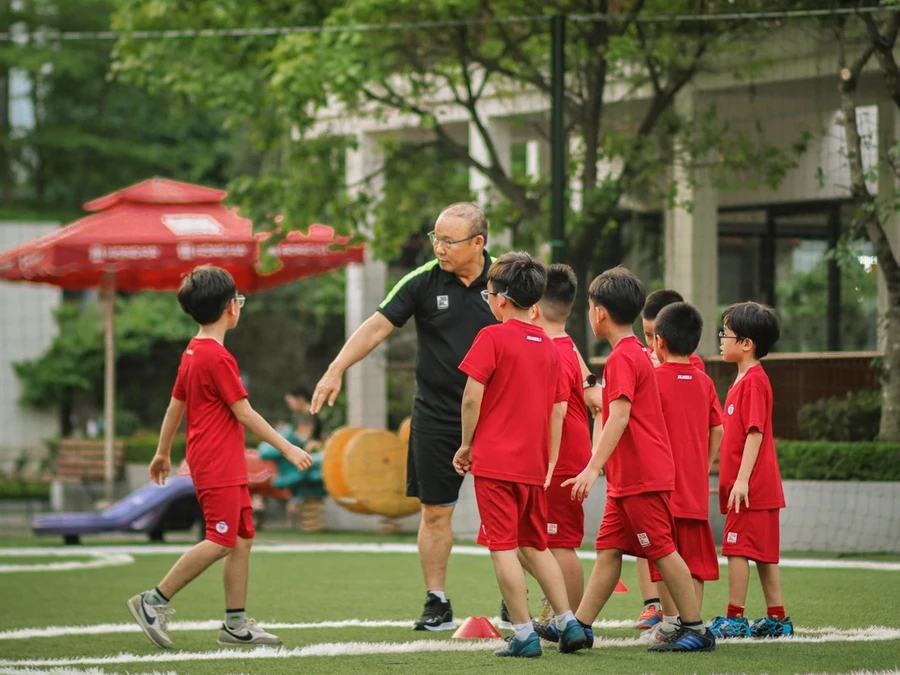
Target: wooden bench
84, 461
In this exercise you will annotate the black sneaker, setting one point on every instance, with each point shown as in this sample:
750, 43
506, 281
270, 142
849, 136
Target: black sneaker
687, 640
505, 621
436, 616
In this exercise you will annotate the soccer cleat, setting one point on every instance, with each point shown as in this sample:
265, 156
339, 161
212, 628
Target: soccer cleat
768, 627
436, 616
687, 640
529, 648
648, 618
247, 633
546, 631
505, 622
547, 614
153, 620
574, 637
661, 632
724, 627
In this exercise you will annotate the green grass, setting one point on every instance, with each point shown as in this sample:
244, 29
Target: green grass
314, 587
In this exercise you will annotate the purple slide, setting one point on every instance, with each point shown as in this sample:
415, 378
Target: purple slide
152, 508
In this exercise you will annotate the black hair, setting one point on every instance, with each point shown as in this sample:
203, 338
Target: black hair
620, 293
302, 391
520, 277
681, 326
205, 293
559, 296
657, 300
756, 322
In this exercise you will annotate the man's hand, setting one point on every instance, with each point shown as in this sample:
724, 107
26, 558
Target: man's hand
299, 458
583, 482
462, 460
327, 389
159, 469
740, 491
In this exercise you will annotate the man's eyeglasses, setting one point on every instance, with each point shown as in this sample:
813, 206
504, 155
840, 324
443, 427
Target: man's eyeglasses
240, 300
446, 243
723, 336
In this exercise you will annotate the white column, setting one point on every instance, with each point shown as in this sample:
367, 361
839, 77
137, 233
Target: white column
888, 135
692, 238
366, 382
501, 137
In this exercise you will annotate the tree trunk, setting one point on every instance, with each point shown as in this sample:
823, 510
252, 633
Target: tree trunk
890, 388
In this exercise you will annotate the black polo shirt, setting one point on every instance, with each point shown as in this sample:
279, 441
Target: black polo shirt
448, 316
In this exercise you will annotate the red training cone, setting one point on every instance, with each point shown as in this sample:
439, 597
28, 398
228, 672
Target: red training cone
621, 587
477, 627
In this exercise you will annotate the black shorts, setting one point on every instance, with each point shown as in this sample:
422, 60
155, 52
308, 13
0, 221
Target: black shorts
430, 475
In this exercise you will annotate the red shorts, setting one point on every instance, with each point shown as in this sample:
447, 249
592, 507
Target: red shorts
228, 514
755, 535
565, 516
641, 525
695, 542
512, 514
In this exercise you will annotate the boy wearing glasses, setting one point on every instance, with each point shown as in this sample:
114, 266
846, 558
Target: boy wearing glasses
512, 413
750, 490
210, 391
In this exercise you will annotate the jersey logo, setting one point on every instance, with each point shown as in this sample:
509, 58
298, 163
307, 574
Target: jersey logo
603, 383
534, 338
643, 539
730, 409
443, 301
552, 528
731, 538
685, 377
221, 527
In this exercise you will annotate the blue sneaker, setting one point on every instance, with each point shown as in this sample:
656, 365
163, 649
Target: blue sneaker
767, 627
574, 637
730, 627
529, 648
687, 640
546, 631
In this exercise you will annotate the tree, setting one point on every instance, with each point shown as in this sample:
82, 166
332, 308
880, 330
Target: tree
875, 212
457, 55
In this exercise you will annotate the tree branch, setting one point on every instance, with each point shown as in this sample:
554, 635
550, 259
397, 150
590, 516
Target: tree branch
648, 60
883, 46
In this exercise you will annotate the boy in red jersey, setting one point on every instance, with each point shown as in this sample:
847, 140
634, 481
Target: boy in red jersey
750, 491
209, 389
634, 450
565, 517
652, 613
512, 417
694, 424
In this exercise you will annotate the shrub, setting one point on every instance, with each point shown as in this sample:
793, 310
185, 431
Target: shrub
140, 448
16, 489
822, 460
854, 417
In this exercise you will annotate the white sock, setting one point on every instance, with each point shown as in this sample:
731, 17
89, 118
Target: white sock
563, 619
671, 619
523, 630
441, 595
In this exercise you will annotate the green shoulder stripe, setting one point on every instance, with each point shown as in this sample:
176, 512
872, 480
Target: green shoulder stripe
416, 272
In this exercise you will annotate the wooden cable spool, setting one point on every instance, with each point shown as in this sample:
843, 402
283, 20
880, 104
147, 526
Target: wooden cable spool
333, 463
375, 473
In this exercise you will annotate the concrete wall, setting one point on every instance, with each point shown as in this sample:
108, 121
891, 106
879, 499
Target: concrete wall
26, 329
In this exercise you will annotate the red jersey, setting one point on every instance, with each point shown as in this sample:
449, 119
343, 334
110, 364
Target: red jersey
698, 363
519, 368
642, 461
748, 407
690, 407
575, 447
208, 382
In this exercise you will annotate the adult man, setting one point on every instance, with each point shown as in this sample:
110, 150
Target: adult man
444, 296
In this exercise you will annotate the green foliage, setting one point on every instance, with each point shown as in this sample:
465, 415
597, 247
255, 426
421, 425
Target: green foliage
15, 489
822, 460
854, 417
140, 448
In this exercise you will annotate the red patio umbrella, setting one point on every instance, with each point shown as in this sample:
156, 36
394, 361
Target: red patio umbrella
147, 236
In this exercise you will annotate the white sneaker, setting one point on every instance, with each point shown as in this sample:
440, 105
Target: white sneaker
661, 632
153, 620
247, 634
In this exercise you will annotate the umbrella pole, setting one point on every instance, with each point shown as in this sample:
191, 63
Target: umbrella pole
109, 394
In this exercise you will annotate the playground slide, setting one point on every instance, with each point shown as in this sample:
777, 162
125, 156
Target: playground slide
151, 508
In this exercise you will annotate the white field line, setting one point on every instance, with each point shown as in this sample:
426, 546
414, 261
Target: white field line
179, 626
99, 559
67, 671
171, 549
418, 646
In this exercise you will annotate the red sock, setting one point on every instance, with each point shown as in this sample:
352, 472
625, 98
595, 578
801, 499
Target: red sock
735, 612
776, 612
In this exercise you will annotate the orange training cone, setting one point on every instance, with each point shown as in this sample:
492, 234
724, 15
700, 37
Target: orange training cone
477, 627
621, 587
